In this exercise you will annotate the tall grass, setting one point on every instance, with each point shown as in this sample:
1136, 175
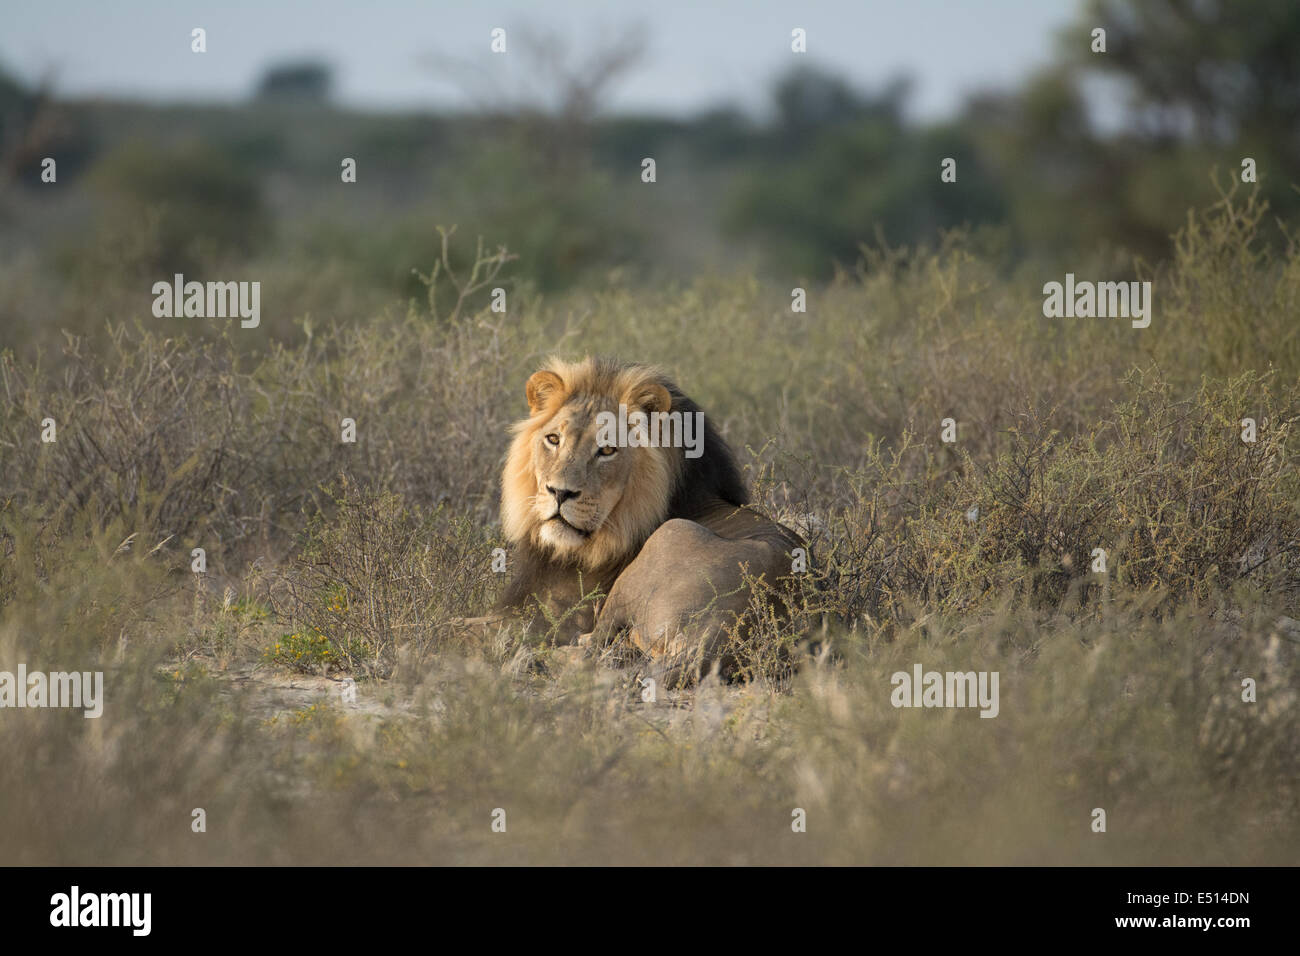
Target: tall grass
1121, 690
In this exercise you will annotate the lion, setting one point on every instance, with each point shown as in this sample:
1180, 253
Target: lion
664, 532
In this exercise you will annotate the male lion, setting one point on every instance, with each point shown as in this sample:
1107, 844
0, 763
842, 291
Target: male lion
668, 537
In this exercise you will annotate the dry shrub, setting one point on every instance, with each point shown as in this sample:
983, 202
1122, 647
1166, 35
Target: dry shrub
152, 434
1122, 691
375, 574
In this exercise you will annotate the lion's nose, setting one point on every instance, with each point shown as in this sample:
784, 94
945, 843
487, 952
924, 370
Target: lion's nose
562, 494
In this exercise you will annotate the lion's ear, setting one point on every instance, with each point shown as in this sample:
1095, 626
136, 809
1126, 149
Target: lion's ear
650, 397
541, 388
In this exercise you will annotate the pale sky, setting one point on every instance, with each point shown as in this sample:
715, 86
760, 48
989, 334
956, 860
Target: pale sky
700, 52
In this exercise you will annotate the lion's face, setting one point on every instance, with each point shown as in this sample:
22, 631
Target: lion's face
562, 489
579, 481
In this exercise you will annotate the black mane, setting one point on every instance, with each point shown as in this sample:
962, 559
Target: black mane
713, 475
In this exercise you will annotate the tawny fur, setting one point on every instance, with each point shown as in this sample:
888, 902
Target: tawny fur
670, 553
645, 501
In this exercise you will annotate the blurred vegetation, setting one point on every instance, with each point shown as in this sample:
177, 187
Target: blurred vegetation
849, 169
1102, 154
306, 81
195, 203
1120, 690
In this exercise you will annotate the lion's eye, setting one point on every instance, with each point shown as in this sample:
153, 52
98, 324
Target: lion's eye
606, 450
552, 439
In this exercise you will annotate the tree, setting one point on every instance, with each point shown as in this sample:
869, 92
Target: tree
304, 82
1206, 70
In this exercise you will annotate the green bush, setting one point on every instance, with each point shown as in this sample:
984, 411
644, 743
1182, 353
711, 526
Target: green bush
207, 204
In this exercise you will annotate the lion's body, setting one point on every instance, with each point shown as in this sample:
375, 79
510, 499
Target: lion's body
667, 538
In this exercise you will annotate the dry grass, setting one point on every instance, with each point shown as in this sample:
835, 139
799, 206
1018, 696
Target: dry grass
1120, 691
